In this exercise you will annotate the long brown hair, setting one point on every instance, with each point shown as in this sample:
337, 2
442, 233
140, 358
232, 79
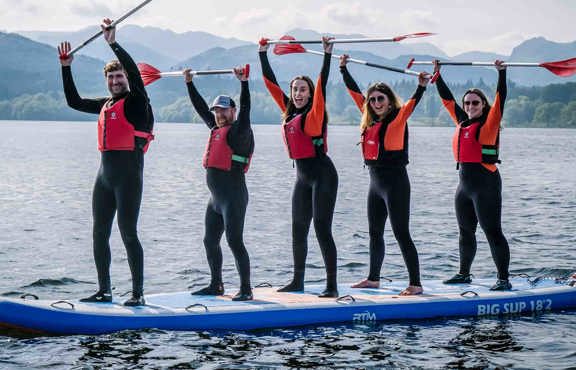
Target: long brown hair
290, 107
482, 96
368, 115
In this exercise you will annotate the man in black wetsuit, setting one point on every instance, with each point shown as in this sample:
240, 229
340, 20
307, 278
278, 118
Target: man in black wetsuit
226, 159
124, 131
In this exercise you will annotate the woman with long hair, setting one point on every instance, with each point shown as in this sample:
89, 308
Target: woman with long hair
304, 129
384, 140
478, 198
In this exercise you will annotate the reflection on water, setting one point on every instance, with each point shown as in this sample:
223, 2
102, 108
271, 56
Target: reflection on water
482, 337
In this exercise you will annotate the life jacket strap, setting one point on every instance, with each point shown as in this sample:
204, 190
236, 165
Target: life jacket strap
318, 141
241, 159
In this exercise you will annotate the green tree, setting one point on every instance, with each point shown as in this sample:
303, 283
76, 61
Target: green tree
568, 115
548, 114
519, 112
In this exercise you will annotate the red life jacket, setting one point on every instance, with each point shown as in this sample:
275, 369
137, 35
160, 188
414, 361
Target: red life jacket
218, 153
115, 132
371, 142
468, 149
384, 150
298, 144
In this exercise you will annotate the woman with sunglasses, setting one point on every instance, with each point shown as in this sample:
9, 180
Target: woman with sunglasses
384, 142
479, 194
304, 130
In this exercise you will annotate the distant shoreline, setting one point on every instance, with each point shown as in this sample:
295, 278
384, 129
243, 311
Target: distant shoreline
413, 123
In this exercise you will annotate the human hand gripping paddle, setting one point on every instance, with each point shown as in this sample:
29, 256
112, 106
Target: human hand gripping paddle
150, 74
282, 49
291, 40
562, 68
71, 52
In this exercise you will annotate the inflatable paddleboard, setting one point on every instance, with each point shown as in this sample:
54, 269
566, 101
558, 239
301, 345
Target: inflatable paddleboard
271, 309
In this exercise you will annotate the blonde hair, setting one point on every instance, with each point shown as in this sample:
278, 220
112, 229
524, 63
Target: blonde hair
368, 114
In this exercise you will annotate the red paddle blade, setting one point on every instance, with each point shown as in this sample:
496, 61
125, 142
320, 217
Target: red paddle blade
413, 36
562, 68
281, 49
410, 63
148, 73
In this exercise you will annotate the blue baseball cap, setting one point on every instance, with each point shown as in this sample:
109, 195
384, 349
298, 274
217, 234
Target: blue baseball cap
223, 101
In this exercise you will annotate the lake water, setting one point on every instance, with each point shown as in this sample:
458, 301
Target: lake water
47, 171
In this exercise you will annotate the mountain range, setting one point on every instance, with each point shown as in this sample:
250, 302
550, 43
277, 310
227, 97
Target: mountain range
30, 66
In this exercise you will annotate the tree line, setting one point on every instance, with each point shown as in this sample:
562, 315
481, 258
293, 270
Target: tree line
538, 106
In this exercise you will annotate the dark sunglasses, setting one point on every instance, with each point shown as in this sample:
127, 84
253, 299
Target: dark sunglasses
374, 99
474, 103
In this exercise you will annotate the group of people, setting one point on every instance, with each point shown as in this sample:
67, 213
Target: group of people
125, 127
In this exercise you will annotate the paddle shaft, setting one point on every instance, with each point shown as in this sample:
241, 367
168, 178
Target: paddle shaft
113, 24
358, 61
197, 73
335, 41
488, 64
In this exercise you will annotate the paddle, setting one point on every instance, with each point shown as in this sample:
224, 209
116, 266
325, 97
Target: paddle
282, 49
150, 74
113, 24
291, 40
562, 68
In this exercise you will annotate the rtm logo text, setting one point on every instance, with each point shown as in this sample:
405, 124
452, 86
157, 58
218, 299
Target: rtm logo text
364, 317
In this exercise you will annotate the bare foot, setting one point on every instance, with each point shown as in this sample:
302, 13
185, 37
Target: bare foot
367, 284
412, 290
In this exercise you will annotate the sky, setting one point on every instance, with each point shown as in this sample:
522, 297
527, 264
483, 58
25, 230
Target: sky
461, 25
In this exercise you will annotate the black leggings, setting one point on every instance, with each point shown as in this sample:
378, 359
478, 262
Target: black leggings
225, 212
118, 190
389, 196
314, 198
479, 199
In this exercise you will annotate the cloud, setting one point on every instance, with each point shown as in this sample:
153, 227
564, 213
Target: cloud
501, 44
358, 17
263, 22
90, 9
414, 20
347, 13
252, 17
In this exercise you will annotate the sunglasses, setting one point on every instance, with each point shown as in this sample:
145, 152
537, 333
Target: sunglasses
474, 103
374, 99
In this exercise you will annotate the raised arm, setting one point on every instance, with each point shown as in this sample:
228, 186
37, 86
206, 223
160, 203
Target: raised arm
72, 97
489, 132
244, 113
455, 111
501, 90
408, 107
351, 85
270, 79
134, 79
198, 101
315, 117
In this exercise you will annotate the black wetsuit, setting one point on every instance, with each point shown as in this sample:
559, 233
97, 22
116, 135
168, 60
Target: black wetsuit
479, 194
118, 185
227, 206
316, 187
389, 191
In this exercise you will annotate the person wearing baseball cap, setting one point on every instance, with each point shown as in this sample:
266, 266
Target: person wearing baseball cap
226, 159
222, 101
